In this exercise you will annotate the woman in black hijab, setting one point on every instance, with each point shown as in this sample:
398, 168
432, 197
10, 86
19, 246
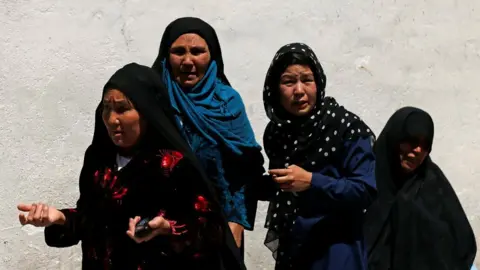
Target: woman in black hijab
139, 173
417, 221
212, 117
321, 157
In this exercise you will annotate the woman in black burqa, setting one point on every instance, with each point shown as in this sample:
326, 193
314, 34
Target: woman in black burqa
139, 166
417, 222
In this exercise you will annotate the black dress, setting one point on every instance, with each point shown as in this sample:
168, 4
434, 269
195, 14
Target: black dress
148, 186
163, 178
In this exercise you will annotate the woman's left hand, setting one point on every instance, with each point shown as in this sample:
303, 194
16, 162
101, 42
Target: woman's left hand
293, 178
159, 225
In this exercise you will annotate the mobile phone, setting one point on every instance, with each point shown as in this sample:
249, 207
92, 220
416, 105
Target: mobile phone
142, 229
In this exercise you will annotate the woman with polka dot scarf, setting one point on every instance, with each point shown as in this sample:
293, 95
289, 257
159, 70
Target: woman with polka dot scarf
322, 161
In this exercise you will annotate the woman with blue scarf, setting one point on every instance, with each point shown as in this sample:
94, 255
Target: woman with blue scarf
212, 116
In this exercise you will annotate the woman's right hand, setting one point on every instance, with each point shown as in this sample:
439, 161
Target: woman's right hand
40, 215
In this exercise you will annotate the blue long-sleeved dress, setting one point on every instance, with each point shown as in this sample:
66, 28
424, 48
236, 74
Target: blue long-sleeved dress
327, 235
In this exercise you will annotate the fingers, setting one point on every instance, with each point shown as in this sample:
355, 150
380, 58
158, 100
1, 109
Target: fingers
161, 226
22, 218
132, 223
284, 179
286, 187
158, 223
45, 212
131, 235
280, 172
31, 213
131, 230
38, 214
24, 207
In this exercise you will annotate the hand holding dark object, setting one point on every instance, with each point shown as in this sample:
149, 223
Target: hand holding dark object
40, 215
292, 179
142, 229
149, 229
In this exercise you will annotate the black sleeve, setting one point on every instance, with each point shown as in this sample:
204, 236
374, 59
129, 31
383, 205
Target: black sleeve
247, 171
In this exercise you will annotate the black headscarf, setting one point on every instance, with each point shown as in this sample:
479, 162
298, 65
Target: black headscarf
311, 142
417, 222
193, 25
144, 87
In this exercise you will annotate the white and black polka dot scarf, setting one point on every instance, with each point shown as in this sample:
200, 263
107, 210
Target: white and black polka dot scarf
311, 142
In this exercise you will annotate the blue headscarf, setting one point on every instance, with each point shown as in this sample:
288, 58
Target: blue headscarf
214, 109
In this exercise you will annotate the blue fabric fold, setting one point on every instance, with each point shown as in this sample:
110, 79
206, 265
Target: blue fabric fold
215, 110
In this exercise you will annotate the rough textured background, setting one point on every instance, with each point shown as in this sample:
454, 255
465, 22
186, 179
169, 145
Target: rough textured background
56, 55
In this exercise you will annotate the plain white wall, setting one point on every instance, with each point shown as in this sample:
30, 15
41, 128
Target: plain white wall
55, 57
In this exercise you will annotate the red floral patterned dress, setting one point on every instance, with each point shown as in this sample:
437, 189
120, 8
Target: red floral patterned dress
160, 183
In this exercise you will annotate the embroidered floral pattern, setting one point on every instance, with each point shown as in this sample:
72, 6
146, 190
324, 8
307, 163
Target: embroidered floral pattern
177, 229
108, 181
168, 160
110, 186
201, 204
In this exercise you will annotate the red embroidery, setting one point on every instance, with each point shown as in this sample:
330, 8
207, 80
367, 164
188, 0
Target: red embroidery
168, 160
201, 204
177, 229
107, 176
161, 213
108, 181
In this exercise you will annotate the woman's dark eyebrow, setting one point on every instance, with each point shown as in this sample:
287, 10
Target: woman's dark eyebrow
120, 102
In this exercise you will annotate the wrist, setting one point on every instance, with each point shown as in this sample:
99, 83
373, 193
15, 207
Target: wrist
61, 220
308, 177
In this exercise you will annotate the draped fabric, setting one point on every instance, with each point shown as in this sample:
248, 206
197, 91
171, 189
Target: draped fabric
417, 222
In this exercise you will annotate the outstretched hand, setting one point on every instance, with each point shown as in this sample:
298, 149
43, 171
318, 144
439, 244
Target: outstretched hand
40, 215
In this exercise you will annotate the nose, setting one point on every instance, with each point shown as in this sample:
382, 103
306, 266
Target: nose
187, 60
112, 119
298, 89
417, 149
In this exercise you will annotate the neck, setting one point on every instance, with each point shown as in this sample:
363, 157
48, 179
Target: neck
127, 152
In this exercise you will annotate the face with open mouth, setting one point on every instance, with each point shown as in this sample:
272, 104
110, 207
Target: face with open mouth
121, 119
189, 59
298, 90
412, 154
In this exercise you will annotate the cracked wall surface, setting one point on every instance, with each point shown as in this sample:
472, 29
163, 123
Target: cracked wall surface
55, 57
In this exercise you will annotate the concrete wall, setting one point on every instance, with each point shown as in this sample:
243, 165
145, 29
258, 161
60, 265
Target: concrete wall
55, 57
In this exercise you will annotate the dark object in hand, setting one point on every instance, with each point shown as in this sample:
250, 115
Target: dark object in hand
142, 229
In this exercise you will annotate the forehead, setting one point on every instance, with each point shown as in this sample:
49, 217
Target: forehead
114, 94
297, 68
190, 39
